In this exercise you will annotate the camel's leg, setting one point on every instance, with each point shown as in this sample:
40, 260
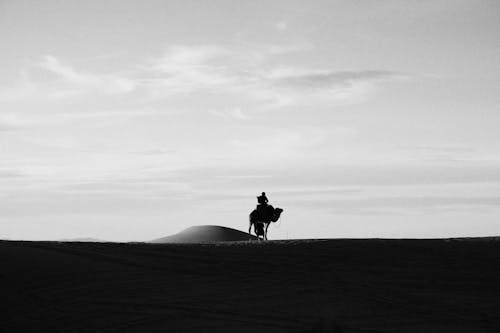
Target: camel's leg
265, 233
261, 236
250, 230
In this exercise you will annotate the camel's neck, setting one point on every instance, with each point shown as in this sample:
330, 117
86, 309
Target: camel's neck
276, 215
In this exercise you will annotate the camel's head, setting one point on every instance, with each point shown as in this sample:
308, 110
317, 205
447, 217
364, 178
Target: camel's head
277, 214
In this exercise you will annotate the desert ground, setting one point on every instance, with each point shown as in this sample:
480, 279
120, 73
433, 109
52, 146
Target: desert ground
332, 285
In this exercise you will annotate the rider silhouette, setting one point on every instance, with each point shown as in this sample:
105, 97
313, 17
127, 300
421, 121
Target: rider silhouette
262, 199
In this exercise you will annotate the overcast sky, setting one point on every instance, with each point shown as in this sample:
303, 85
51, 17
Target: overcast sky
131, 120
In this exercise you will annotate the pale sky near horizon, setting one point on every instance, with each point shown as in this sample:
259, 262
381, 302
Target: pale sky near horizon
132, 120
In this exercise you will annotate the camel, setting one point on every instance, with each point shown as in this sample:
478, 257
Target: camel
261, 217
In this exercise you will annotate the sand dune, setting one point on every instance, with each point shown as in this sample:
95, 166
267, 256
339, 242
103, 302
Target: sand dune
206, 233
277, 286
83, 239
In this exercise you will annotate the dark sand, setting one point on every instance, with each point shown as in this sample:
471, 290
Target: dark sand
276, 286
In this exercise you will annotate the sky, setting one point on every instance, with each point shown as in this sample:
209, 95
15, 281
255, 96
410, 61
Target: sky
131, 120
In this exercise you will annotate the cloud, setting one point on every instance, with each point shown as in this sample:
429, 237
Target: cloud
82, 82
10, 122
398, 205
178, 58
49, 80
6, 127
6, 174
184, 69
151, 187
281, 26
319, 79
249, 72
292, 85
444, 153
232, 113
220, 79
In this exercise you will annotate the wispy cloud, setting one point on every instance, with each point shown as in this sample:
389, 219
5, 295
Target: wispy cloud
405, 205
319, 79
230, 81
50, 80
276, 147
232, 113
282, 26
82, 82
294, 85
6, 174
6, 127
187, 69
183, 69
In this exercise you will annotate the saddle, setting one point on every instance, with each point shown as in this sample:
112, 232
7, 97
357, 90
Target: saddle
265, 211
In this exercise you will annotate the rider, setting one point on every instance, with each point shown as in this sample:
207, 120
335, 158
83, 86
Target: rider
262, 199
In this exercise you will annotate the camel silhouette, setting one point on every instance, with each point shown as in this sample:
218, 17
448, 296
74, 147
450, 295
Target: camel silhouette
261, 217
